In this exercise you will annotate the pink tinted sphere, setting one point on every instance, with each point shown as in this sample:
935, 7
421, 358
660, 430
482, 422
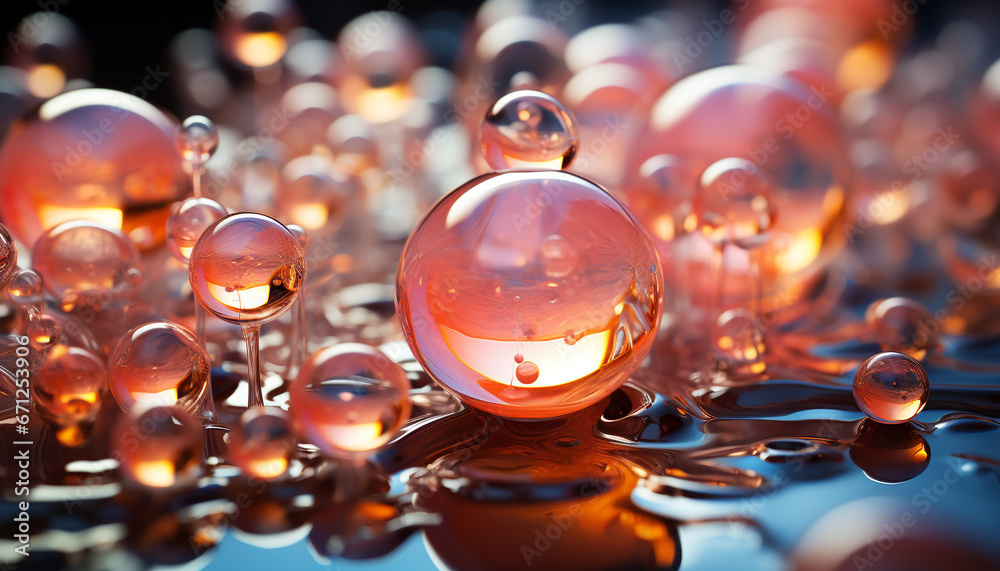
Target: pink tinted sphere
68, 386
86, 263
528, 129
544, 265
160, 362
169, 450
263, 442
903, 325
188, 220
8, 256
196, 139
349, 400
247, 268
734, 203
92, 154
891, 387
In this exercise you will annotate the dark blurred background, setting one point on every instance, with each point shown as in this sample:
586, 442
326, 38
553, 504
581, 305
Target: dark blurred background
125, 37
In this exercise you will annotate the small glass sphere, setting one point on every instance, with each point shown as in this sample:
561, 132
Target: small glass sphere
349, 400
247, 268
662, 197
263, 442
159, 447
92, 154
68, 387
43, 331
528, 129
161, 362
86, 263
738, 343
8, 256
891, 387
188, 220
734, 203
542, 264
903, 325
197, 139
27, 289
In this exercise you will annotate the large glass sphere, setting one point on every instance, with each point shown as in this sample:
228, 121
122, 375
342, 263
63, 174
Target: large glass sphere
92, 154
247, 268
529, 294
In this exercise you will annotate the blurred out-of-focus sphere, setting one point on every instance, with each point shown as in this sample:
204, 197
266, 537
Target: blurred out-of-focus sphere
247, 268
68, 385
787, 130
253, 33
86, 263
541, 264
159, 447
903, 325
349, 400
188, 221
91, 154
263, 442
160, 362
891, 387
734, 203
528, 129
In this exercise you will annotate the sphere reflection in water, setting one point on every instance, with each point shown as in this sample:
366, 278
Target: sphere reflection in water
891, 387
901, 324
529, 129
890, 453
541, 264
86, 263
91, 154
160, 446
263, 442
247, 268
349, 399
160, 362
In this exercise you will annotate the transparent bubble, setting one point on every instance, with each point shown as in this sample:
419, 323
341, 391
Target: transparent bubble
349, 400
903, 325
188, 221
8, 256
197, 139
734, 203
91, 154
738, 344
26, 289
528, 129
314, 193
164, 450
43, 331
247, 268
67, 388
85, 263
891, 387
542, 264
253, 33
263, 442
159, 362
